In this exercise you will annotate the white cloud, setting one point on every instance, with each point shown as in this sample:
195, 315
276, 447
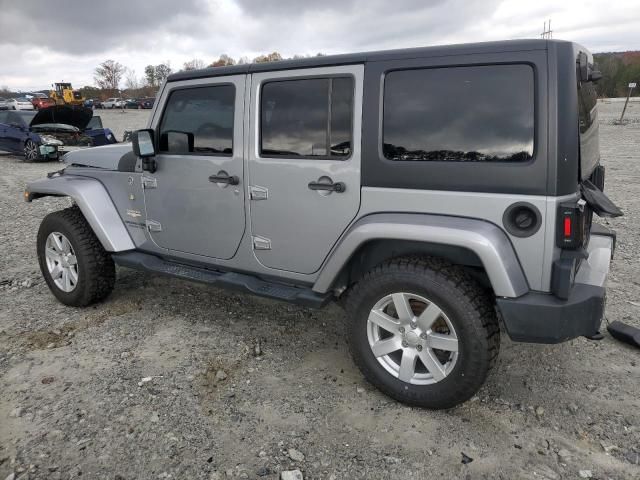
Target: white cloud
70, 41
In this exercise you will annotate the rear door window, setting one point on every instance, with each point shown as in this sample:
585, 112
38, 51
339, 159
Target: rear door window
309, 118
459, 114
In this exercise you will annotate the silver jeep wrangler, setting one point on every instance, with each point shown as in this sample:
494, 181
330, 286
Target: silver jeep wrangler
432, 190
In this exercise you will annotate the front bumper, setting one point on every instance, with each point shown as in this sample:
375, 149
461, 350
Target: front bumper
544, 318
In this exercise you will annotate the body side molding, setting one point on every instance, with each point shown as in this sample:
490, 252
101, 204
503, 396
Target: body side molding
486, 240
94, 203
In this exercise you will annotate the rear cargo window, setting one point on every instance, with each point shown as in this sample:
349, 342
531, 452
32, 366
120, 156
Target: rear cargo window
206, 113
307, 118
460, 114
588, 127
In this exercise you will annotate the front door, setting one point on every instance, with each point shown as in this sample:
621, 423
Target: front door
304, 163
194, 200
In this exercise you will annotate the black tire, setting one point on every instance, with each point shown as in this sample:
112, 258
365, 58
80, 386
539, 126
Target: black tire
468, 307
31, 153
96, 270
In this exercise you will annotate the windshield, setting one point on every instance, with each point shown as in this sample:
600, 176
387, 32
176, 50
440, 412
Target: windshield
23, 99
26, 116
95, 123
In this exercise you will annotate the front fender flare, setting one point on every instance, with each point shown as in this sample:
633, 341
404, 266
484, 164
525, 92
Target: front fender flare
485, 239
94, 203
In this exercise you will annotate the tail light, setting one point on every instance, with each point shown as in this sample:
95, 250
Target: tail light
572, 225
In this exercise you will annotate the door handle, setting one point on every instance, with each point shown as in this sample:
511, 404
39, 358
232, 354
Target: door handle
228, 179
337, 187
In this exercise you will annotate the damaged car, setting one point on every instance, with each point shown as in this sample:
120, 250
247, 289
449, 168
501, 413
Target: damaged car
48, 133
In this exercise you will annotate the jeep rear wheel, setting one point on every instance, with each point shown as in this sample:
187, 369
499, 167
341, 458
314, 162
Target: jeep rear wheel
423, 331
74, 264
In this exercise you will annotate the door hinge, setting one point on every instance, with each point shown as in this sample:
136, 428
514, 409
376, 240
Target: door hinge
149, 182
261, 243
258, 193
154, 226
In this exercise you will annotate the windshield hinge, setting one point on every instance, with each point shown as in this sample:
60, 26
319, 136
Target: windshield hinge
261, 243
149, 182
153, 226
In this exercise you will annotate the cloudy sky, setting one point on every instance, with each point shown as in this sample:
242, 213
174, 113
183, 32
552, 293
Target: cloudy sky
42, 41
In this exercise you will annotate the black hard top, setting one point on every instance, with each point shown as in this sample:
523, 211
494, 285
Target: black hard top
354, 58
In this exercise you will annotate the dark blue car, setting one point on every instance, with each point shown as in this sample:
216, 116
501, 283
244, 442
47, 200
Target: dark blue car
50, 132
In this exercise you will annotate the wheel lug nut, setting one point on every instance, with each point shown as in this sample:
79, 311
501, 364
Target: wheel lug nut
405, 344
423, 336
413, 325
401, 329
419, 347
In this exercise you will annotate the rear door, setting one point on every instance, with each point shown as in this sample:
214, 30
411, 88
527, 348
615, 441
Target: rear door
304, 163
194, 201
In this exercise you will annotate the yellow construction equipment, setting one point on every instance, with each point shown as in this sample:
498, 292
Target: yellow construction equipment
64, 94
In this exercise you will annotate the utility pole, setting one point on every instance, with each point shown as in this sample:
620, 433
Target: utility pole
631, 87
546, 31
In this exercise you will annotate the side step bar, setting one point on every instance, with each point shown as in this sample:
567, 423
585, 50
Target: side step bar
230, 280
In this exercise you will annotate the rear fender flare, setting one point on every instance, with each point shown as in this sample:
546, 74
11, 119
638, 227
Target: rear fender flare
485, 239
94, 203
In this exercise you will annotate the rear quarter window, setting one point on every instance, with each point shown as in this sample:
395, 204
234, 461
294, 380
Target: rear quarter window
459, 114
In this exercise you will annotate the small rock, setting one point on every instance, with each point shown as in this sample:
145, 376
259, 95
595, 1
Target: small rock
632, 457
539, 411
263, 471
295, 455
591, 387
125, 354
221, 375
257, 349
291, 475
466, 459
608, 448
11, 476
51, 345
262, 454
564, 454
16, 412
47, 380
155, 418
573, 408
215, 476
545, 472
359, 390
585, 474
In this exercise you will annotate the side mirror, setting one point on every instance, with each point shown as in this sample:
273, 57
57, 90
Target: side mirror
142, 141
143, 147
583, 67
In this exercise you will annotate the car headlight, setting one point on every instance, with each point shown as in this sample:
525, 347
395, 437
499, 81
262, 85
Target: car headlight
48, 139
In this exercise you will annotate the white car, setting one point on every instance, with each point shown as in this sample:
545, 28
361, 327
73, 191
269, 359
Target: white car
20, 103
113, 103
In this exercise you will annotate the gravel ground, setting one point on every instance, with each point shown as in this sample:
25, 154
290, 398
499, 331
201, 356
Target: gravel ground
170, 379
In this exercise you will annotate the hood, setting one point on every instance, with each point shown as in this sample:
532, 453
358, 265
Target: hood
78, 117
108, 157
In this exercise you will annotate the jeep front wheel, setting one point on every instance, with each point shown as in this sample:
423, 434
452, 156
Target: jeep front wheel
74, 264
422, 331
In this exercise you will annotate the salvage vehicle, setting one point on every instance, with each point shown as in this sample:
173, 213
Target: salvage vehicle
50, 132
19, 103
40, 100
430, 191
113, 103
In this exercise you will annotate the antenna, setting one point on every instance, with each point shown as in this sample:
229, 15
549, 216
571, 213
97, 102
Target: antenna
546, 31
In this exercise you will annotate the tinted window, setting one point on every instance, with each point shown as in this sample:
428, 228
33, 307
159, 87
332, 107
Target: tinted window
3, 116
467, 114
309, 118
588, 127
204, 115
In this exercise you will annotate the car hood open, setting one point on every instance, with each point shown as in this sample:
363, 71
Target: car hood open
78, 117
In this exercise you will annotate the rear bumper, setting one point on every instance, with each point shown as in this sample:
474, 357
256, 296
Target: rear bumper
544, 318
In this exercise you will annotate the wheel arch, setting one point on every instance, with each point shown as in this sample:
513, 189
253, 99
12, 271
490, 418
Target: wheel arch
479, 246
94, 203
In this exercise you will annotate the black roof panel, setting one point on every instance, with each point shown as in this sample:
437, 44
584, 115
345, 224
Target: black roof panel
353, 58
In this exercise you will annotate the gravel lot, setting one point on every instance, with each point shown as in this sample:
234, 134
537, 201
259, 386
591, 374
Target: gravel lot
170, 379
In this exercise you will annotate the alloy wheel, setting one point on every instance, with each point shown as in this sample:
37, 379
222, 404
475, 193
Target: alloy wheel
61, 262
31, 150
412, 338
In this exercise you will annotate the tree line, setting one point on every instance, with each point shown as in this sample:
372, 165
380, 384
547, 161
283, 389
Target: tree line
109, 75
618, 70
